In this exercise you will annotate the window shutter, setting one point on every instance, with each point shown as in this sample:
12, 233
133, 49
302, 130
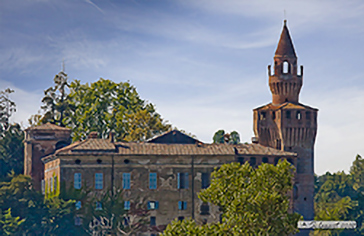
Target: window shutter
179, 205
156, 204
178, 180
148, 205
186, 180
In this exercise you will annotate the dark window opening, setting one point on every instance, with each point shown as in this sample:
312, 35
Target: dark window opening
276, 160
180, 218
153, 221
290, 160
77, 161
99, 161
126, 221
278, 144
205, 209
308, 115
182, 180
304, 199
273, 115
295, 192
241, 160
126, 161
61, 144
78, 221
262, 116
205, 180
265, 159
288, 114
253, 161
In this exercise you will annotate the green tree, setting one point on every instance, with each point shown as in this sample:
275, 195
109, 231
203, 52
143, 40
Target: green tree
9, 225
59, 218
252, 201
7, 108
56, 105
11, 151
337, 199
221, 137
105, 106
30, 213
102, 106
25, 202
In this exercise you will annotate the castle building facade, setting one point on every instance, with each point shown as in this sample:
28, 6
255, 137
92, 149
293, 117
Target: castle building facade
169, 170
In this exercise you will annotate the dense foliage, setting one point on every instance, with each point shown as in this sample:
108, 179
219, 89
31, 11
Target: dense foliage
252, 202
102, 106
24, 210
11, 138
340, 196
221, 137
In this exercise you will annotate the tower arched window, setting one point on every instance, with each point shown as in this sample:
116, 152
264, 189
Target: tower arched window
285, 67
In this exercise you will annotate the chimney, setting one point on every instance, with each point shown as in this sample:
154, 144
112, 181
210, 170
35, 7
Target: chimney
255, 140
93, 135
111, 137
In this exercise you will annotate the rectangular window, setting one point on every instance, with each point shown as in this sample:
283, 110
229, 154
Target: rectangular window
288, 114
204, 209
241, 160
126, 180
77, 181
55, 183
262, 116
43, 186
180, 218
182, 205
153, 221
152, 180
205, 180
182, 180
99, 181
98, 206
78, 221
153, 205
126, 220
51, 183
308, 115
78, 205
126, 205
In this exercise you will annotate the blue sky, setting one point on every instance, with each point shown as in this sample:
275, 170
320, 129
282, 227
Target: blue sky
202, 63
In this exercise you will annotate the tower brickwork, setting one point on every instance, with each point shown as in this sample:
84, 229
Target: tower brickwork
41, 141
288, 125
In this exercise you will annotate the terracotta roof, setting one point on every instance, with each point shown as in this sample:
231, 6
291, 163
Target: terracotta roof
48, 126
285, 45
99, 146
286, 105
95, 145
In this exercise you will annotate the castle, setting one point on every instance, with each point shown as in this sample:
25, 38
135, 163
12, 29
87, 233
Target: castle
169, 170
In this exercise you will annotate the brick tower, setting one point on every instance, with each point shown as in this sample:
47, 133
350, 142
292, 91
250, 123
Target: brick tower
288, 125
41, 141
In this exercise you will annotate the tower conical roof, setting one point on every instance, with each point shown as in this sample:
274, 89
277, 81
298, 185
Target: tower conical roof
285, 45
